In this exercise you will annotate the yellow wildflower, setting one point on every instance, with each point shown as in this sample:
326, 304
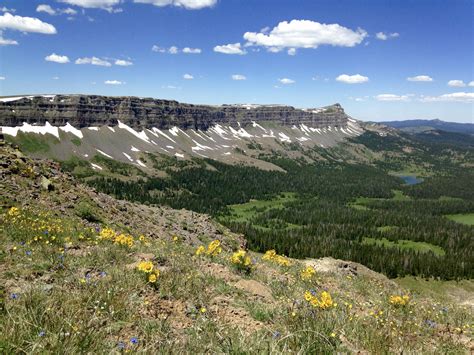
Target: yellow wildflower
308, 273
241, 260
399, 301
271, 255
152, 277
214, 248
323, 302
145, 266
200, 250
13, 211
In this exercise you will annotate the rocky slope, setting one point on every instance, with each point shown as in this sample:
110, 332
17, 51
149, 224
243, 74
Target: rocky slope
140, 113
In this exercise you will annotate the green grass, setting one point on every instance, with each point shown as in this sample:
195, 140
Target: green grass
457, 291
361, 202
33, 143
467, 218
76, 141
386, 228
246, 211
406, 244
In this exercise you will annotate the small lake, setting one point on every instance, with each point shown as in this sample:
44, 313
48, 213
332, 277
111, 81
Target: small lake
410, 179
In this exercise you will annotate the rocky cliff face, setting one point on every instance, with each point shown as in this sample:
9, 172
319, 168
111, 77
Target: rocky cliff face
91, 110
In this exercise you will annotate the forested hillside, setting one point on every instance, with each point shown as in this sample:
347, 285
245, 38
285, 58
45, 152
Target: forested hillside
361, 211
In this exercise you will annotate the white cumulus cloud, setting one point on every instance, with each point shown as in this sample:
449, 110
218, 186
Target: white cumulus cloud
456, 83
94, 4
383, 36
421, 78
175, 50
187, 4
392, 97
239, 77
188, 50
25, 24
45, 8
6, 41
305, 34
68, 11
93, 61
231, 48
352, 79
188, 77
2, 78
467, 97
291, 51
286, 81
56, 58
471, 83
123, 63
6, 9
114, 82
51, 11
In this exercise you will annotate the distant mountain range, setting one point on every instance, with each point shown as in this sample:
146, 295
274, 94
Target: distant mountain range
419, 126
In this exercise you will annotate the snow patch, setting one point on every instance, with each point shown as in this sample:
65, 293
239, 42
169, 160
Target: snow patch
303, 139
220, 131
133, 149
179, 155
284, 137
255, 124
28, 128
128, 156
111, 128
93, 128
96, 167
174, 131
156, 130
104, 154
142, 135
139, 162
71, 129
200, 146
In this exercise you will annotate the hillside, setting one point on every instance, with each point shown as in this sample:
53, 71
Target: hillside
418, 126
83, 272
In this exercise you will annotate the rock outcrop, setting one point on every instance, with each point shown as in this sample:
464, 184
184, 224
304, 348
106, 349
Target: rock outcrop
92, 110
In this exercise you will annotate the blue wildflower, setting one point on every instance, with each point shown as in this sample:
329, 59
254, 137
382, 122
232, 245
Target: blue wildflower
103, 274
276, 335
14, 296
42, 333
28, 252
430, 323
134, 340
121, 345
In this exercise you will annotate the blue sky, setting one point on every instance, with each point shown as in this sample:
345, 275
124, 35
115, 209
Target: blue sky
380, 59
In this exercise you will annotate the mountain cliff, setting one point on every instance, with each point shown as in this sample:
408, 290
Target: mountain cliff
139, 113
